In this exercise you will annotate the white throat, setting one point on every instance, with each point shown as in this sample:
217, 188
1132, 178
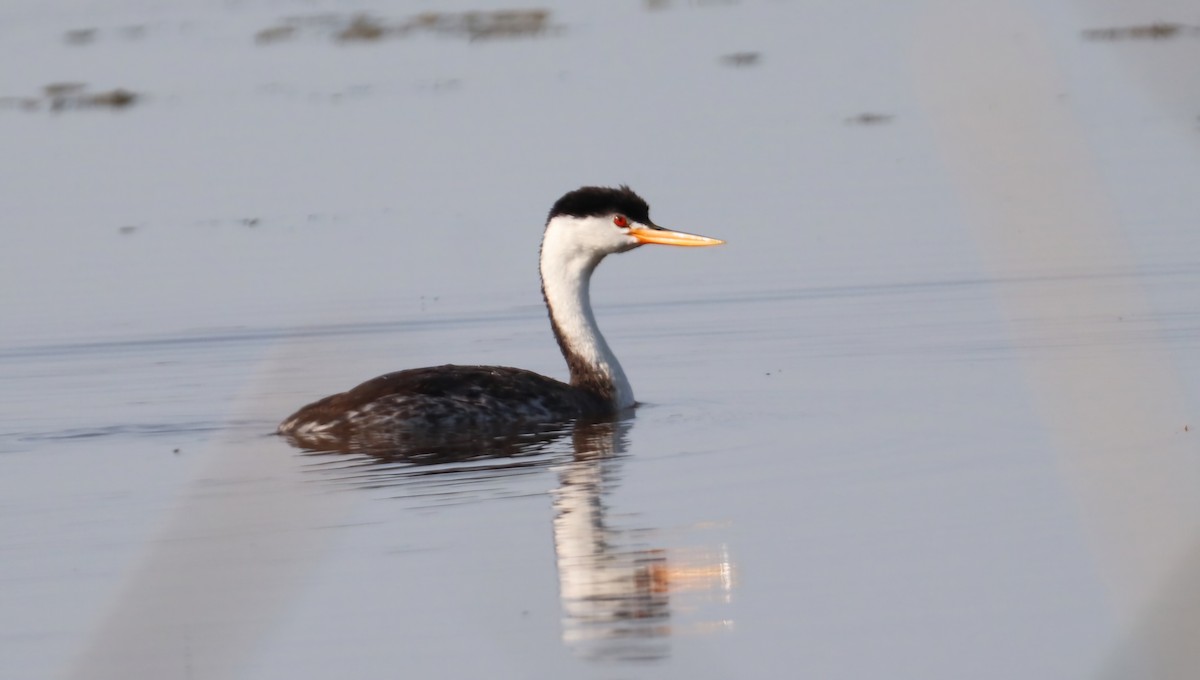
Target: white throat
571, 249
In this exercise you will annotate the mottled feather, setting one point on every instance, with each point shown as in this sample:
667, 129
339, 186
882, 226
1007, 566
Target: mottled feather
439, 403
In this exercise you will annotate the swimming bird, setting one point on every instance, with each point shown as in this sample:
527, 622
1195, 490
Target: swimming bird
582, 228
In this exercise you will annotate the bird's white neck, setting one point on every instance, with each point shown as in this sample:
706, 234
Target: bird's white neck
567, 263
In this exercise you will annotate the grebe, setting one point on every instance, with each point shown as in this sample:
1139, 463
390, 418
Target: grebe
583, 226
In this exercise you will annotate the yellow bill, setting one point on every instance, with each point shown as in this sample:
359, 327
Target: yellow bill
671, 238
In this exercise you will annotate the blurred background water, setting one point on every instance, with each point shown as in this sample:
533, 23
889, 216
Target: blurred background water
931, 413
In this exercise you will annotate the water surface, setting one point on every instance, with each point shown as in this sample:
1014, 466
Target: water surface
930, 413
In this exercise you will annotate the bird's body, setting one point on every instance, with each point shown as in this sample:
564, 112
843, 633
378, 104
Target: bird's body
457, 401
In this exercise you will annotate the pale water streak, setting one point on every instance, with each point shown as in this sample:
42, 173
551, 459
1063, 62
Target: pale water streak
1030, 189
232, 553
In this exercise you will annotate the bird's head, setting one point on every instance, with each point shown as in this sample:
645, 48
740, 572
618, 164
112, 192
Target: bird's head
592, 222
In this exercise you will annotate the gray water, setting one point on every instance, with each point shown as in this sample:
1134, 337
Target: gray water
930, 413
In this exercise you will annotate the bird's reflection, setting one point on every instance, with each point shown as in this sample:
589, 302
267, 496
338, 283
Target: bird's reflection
615, 594
622, 597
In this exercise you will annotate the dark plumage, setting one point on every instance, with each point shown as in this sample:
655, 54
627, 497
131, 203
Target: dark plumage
422, 404
598, 201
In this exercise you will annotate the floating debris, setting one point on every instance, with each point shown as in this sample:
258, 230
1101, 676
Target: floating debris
1154, 31
55, 90
869, 119
117, 99
127, 230
65, 96
274, 34
23, 103
127, 33
365, 28
741, 59
80, 36
505, 23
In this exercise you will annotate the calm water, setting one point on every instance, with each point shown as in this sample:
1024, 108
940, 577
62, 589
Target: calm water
931, 413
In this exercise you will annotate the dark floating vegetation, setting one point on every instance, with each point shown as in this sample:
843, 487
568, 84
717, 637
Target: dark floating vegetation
365, 28
80, 36
274, 34
86, 36
1155, 31
869, 118
72, 96
741, 59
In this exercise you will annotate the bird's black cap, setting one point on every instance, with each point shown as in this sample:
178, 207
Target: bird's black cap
599, 201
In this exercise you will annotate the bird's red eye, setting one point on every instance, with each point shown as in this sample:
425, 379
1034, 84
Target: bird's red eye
621, 221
